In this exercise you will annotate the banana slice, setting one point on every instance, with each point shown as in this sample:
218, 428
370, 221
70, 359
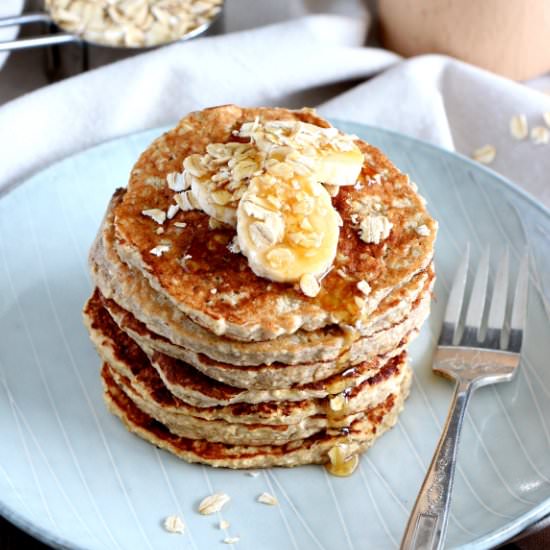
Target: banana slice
339, 167
288, 229
220, 204
219, 178
330, 157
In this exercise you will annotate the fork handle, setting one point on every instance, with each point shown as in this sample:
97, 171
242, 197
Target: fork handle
428, 520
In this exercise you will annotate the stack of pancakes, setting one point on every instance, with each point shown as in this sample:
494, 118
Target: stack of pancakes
220, 366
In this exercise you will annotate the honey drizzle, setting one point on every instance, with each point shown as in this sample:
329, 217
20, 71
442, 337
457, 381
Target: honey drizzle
341, 463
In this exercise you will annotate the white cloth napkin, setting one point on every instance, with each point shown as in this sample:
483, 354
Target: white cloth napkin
305, 61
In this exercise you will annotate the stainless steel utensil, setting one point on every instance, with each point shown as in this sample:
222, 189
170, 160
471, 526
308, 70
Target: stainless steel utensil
473, 355
34, 42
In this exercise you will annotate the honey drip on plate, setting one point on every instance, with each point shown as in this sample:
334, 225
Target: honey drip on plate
341, 463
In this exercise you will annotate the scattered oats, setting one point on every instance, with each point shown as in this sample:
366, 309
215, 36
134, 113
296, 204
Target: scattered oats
401, 203
375, 179
540, 135
354, 218
266, 498
153, 181
253, 474
213, 291
309, 285
156, 214
268, 233
358, 186
224, 524
160, 249
159, 231
181, 225
359, 302
186, 257
364, 287
233, 246
186, 201
300, 136
174, 524
423, 230
485, 154
375, 228
546, 117
172, 211
213, 503
342, 273
177, 182
231, 540
518, 126
280, 257
337, 403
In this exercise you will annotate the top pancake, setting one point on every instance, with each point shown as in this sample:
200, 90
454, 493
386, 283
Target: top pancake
243, 305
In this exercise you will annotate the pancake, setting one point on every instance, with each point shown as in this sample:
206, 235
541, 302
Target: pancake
261, 377
131, 292
218, 365
312, 450
194, 388
244, 306
221, 431
239, 433
131, 369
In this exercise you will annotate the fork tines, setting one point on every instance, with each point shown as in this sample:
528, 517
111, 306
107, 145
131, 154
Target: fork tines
500, 331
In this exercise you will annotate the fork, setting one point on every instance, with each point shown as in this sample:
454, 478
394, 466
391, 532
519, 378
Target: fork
473, 355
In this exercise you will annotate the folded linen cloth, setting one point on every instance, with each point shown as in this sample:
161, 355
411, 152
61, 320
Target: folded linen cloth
459, 107
303, 61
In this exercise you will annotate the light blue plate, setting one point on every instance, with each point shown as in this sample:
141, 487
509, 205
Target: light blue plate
74, 477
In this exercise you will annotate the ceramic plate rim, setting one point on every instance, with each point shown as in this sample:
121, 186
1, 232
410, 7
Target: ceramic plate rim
497, 536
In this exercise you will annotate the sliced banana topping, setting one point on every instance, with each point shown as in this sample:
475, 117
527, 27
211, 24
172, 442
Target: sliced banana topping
287, 228
326, 154
220, 177
271, 189
283, 149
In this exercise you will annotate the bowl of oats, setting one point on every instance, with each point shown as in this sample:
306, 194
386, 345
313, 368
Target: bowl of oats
121, 24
